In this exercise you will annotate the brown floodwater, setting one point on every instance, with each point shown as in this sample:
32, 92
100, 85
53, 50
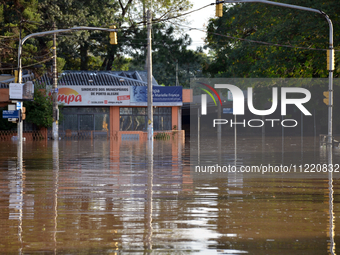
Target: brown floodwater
108, 197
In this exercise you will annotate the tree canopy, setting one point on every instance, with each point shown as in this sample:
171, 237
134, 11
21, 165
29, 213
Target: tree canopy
90, 50
19, 18
260, 40
170, 53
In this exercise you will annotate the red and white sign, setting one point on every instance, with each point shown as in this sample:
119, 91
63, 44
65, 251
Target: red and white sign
123, 97
93, 95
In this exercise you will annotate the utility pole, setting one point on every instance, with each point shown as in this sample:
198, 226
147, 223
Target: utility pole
177, 82
55, 131
20, 124
150, 133
149, 68
330, 57
55, 89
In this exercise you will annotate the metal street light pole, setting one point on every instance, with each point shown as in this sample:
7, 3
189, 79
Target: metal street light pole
21, 43
55, 131
54, 32
330, 90
331, 58
19, 124
149, 75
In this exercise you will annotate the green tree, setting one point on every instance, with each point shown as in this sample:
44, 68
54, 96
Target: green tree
80, 48
249, 22
133, 15
170, 52
39, 111
19, 18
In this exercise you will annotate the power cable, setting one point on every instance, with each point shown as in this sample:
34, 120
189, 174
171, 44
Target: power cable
253, 41
14, 68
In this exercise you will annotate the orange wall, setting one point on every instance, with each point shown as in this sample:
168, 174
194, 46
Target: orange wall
187, 95
4, 97
174, 113
114, 118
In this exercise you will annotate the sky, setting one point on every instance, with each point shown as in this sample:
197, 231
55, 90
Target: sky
199, 19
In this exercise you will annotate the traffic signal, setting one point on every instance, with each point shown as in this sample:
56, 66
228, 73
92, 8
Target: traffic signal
219, 9
113, 36
16, 76
23, 113
329, 67
326, 99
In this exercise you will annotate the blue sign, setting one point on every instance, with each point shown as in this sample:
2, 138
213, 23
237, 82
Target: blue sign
160, 94
167, 94
227, 110
10, 114
19, 105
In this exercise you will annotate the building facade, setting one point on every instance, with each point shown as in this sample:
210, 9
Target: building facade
108, 102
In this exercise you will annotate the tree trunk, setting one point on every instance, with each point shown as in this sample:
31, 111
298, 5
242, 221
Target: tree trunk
108, 62
103, 67
84, 59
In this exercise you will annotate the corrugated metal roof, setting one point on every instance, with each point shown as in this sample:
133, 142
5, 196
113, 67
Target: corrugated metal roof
91, 78
98, 78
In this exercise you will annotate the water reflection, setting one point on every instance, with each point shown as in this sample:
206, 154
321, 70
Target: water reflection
109, 197
16, 200
149, 193
55, 152
331, 233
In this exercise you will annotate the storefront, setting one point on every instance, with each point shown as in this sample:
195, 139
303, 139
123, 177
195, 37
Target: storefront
111, 102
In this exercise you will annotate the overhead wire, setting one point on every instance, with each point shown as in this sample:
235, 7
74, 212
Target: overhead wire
218, 34
250, 40
233, 37
14, 68
191, 28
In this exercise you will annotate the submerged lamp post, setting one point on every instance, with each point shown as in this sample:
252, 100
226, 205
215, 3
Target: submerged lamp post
55, 89
149, 77
330, 67
330, 55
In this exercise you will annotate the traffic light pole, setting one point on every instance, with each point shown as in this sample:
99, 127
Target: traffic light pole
330, 66
55, 131
55, 92
20, 123
331, 56
149, 68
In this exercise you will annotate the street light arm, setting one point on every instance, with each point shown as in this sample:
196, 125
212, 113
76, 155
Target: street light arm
274, 3
21, 42
330, 24
65, 30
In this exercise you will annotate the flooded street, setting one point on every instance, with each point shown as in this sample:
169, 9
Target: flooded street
114, 197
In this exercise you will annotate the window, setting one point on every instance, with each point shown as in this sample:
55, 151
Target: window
135, 118
85, 118
162, 118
